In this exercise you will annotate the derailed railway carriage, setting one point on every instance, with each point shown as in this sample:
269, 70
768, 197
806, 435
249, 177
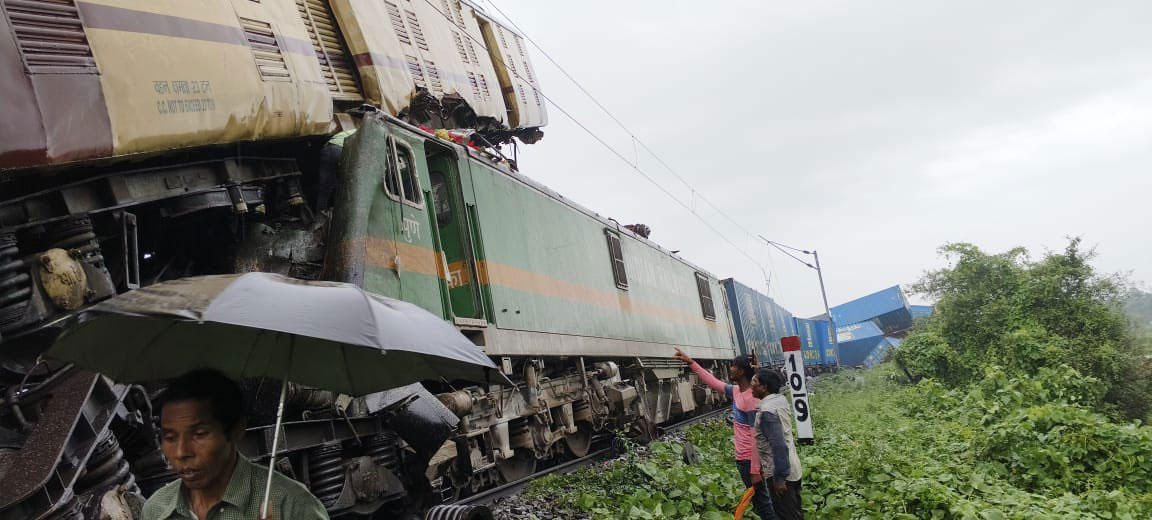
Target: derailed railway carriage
143, 141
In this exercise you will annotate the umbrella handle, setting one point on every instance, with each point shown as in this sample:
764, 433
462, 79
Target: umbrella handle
275, 444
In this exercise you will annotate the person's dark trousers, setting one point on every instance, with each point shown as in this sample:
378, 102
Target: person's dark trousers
789, 506
761, 502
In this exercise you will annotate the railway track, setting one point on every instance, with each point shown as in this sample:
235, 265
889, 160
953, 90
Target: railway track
474, 507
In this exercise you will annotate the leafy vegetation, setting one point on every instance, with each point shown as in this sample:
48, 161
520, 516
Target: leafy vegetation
1024, 402
1017, 448
1021, 315
654, 482
1006, 448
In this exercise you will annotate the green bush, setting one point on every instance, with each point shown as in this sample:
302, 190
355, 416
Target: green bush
1044, 432
1006, 448
1009, 447
1022, 315
1062, 448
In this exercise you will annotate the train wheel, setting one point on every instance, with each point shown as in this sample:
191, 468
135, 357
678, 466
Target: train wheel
521, 465
642, 431
578, 443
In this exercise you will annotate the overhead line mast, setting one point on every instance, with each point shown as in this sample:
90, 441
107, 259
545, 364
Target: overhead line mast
823, 292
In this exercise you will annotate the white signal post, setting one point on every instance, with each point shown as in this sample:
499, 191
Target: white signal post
794, 368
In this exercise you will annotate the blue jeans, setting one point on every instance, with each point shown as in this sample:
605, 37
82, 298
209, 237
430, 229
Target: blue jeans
762, 500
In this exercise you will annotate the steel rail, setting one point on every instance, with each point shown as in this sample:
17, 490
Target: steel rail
489, 496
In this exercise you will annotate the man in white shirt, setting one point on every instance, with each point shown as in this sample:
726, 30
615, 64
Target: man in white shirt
779, 463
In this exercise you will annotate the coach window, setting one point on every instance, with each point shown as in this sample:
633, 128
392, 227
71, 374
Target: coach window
391, 178
616, 255
706, 303
402, 181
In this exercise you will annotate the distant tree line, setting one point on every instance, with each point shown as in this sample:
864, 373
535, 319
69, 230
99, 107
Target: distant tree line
1138, 306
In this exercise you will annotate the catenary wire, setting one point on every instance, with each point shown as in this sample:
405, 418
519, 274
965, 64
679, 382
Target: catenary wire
635, 166
631, 134
797, 249
773, 244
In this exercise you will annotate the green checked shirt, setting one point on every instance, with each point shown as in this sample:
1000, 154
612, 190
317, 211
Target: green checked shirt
242, 500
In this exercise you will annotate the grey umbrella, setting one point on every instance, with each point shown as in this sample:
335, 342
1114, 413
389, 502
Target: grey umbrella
322, 334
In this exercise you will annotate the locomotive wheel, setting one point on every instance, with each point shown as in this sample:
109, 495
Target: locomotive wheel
642, 431
578, 443
521, 465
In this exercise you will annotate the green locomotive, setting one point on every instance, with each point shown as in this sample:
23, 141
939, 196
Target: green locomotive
159, 140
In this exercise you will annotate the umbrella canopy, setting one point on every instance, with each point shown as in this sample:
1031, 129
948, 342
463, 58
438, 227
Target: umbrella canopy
328, 335
322, 334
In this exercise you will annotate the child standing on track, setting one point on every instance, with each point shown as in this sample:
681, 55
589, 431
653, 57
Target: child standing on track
744, 406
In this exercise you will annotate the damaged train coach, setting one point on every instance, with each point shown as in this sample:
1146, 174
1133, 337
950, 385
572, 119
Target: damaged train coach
144, 141
96, 79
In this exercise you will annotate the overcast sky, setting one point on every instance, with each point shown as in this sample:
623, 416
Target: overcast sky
873, 131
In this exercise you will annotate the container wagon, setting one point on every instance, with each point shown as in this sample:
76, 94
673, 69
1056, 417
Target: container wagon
819, 353
759, 322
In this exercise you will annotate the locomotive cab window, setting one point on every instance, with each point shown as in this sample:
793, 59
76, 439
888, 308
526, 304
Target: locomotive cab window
402, 181
441, 203
706, 303
616, 255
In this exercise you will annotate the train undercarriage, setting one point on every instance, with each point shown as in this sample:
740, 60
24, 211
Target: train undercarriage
76, 445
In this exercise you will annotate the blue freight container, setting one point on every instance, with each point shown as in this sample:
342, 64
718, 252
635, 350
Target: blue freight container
758, 320
857, 341
877, 355
855, 353
784, 319
772, 328
824, 342
856, 331
781, 326
919, 311
747, 318
888, 309
810, 345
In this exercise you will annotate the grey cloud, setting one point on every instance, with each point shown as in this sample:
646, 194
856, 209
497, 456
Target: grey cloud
872, 131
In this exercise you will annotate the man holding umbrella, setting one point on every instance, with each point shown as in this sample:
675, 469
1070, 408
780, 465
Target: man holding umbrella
326, 335
201, 421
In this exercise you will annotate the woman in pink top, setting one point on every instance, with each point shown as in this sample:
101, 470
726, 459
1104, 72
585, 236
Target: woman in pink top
744, 407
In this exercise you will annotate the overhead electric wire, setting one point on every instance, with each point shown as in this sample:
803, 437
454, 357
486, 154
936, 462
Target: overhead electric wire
612, 116
773, 244
635, 166
797, 249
